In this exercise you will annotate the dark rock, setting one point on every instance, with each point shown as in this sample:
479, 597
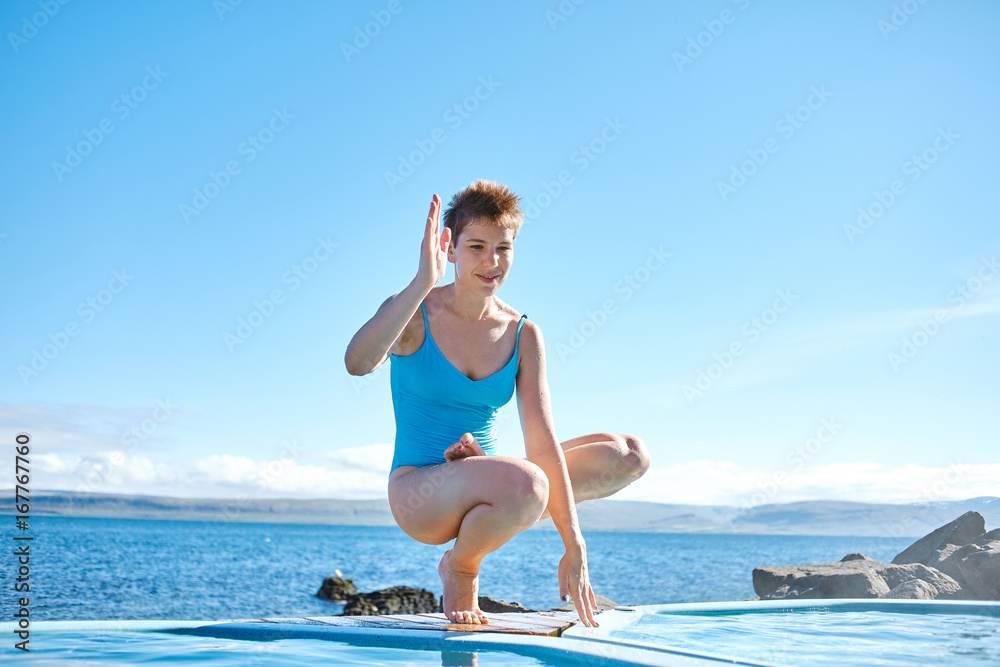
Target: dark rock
854, 557
361, 607
336, 589
492, 605
489, 605
603, 604
395, 600
959, 532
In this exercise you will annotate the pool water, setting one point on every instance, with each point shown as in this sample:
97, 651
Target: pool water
830, 637
869, 633
89, 649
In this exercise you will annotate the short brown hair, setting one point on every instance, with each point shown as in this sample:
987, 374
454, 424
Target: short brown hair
487, 201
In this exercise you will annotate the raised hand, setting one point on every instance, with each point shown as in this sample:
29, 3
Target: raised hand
574, 581
433, 249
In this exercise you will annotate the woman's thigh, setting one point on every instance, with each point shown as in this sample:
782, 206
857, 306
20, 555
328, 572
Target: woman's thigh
591, 438
429, 503
601, 464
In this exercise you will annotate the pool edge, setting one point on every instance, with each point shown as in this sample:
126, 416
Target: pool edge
580, 650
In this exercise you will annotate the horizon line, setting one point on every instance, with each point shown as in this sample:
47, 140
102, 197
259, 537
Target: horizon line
36, 494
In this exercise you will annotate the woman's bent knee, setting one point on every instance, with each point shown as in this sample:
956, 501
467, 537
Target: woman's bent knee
636, 456
429, 504
525, 487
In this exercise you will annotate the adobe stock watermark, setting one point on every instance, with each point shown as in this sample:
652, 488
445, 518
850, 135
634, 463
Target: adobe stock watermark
248, 149
787, 126
562, 12
751, 330
87, 311
265, 308
360, 382
953, 477
599, 486
223, 7
130, 439
927, 329
30, 25
915, 166
581, 158
796, 459
363, 35
122, 106
436, 477
262, 653
630, 283
454, 116
901, 13
697, 44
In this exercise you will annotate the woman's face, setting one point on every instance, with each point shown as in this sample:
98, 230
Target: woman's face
482, 256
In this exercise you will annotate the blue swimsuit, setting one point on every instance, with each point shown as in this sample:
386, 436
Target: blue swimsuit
435, 403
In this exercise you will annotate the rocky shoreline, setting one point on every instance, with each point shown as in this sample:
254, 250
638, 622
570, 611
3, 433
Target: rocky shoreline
407, 600
958, 561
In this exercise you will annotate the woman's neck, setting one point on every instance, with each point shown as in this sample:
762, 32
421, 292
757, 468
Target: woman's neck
473, 307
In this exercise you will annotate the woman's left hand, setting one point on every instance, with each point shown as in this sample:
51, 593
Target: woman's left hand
574, 580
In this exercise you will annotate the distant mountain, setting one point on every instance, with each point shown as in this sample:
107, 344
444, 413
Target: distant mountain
815, 517
255, 510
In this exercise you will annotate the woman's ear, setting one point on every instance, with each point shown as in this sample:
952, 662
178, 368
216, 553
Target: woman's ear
449, 246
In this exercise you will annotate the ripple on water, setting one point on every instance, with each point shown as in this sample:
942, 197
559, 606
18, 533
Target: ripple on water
870, 638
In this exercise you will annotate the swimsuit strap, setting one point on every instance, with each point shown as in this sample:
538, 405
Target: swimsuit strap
518, 338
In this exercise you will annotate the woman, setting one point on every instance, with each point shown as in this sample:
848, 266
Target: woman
458, 352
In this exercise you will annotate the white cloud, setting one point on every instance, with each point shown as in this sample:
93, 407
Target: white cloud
362, 472
75, 428
725, 483
374, 458
215, 476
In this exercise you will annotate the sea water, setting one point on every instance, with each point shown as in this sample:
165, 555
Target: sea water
86, 568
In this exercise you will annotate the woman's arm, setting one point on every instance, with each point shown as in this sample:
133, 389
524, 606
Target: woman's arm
373, 343
543, 449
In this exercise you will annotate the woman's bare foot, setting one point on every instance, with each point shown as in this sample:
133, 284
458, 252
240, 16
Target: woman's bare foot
466, 446
461, 593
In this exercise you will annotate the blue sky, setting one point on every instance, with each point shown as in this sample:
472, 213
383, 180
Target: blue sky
761, 236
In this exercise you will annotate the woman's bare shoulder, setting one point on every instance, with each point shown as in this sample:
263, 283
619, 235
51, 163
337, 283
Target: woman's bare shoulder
531, 334
506, 312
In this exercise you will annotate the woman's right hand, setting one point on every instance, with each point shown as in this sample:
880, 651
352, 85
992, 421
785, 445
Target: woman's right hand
434, 249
